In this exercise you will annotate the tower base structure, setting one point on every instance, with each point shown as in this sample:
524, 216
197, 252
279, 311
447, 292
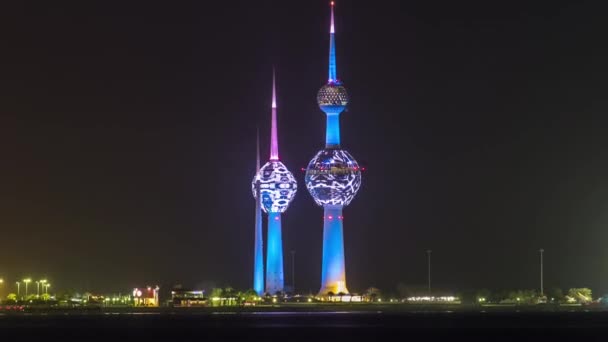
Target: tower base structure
274, 258
333, 274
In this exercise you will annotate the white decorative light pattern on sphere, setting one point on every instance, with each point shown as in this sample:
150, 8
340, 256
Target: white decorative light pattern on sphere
330, 95
333, 177
277, 185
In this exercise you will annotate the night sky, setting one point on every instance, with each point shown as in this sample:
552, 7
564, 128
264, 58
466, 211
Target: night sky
127, 135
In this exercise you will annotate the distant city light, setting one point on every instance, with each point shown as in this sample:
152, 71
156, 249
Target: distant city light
432, 299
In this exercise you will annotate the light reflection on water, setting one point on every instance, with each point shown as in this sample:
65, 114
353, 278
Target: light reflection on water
128, 313
319, 313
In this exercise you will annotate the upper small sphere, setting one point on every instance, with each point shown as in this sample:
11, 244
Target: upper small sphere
332, 97
277, 185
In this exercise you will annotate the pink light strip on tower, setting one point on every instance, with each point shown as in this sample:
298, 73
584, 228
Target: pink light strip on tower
274, 140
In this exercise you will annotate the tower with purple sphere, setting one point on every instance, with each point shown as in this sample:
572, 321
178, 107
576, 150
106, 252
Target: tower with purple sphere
333, 177
276, 187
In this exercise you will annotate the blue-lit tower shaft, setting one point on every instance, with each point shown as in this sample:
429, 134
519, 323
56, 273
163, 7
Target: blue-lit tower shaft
333, 275
274, 258
258, 257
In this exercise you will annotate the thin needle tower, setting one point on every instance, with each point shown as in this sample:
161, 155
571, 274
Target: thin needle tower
258, 254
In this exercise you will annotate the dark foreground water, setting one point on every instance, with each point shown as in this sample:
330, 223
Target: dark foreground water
322, 326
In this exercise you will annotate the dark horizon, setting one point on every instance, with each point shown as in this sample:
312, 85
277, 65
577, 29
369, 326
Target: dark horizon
128, 136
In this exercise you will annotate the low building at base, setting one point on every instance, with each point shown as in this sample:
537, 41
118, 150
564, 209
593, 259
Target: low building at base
147, 296
188, 298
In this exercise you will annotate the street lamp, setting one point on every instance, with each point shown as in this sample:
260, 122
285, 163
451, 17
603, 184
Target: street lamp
37, 289
293, 271
18, 288
428, 252
43, 283
26, 281
47, 285
541, 273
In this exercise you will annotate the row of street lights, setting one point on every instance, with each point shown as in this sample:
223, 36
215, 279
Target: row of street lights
45, 286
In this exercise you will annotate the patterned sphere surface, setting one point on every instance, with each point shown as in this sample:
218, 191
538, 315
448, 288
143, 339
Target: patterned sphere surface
332, 95
333, 177
277, 185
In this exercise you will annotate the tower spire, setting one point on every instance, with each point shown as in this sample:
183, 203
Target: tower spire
274, 90
331, 28
332, 49
274, 141
257, 160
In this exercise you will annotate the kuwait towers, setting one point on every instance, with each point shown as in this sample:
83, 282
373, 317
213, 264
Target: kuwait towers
333, 177
276, 187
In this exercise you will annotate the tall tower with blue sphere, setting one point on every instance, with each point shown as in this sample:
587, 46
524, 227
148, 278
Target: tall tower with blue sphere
333, 177
276, 187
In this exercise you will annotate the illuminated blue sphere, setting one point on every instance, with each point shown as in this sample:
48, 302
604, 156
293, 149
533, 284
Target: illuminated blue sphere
277, 185
333, 177
332, 98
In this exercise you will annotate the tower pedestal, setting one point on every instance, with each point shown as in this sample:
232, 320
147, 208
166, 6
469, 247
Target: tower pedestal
274, 259
333, 274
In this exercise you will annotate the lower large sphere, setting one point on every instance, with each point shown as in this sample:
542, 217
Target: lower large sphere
277, 185
333, 177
